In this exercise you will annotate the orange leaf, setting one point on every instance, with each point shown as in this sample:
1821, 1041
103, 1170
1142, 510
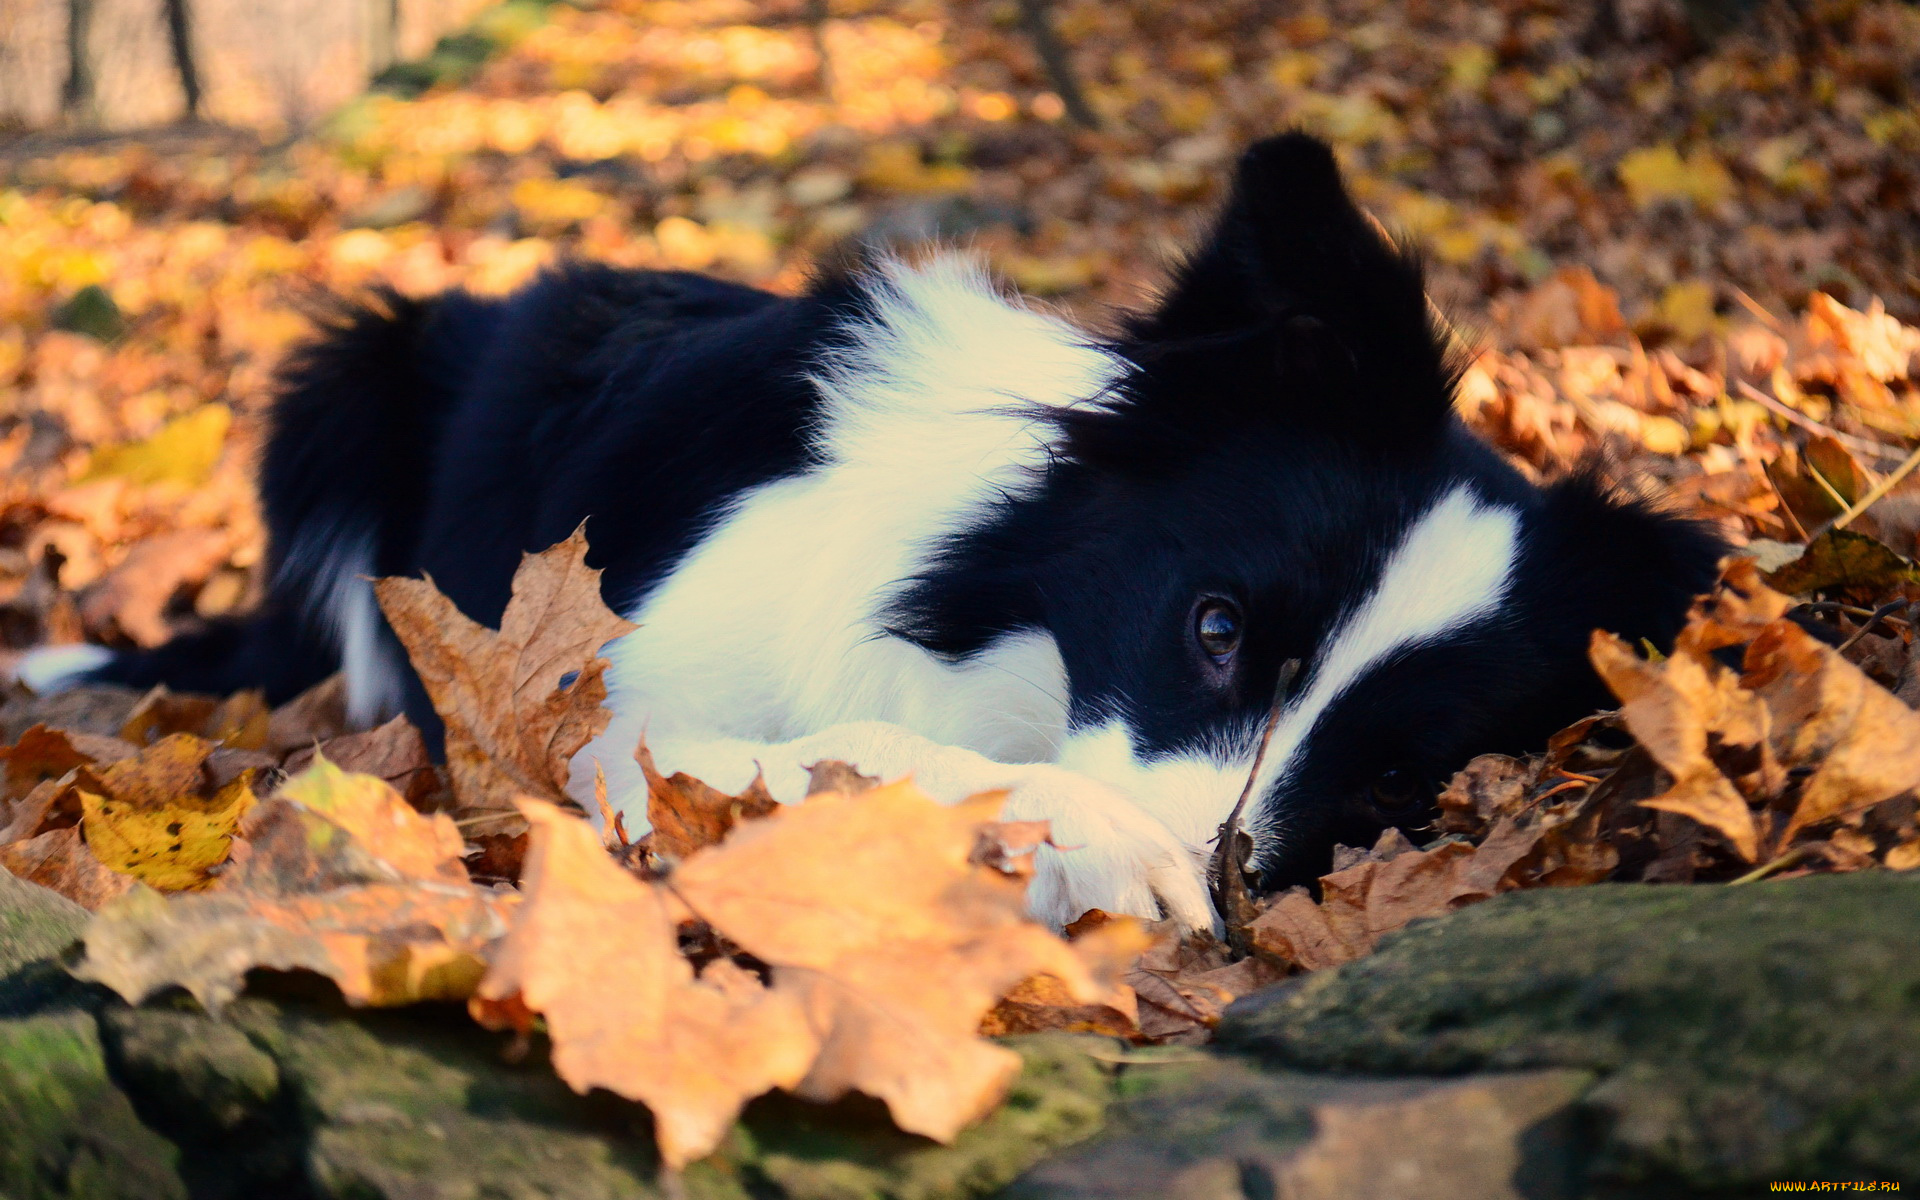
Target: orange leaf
595, 952
868, 908
511, 727
687, 815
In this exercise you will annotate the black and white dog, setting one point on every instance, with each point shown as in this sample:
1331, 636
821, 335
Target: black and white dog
905, 521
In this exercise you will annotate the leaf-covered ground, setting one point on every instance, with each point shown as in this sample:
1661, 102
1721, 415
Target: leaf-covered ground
1696, 265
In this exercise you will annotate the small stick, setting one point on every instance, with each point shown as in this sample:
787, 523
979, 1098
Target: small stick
1229, 879
1753, 306
1879, 614
1789, 859
1786, 510
1864, 445
1879, 489
1833, 493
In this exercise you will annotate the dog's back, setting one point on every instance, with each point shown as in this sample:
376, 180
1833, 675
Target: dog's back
446, 435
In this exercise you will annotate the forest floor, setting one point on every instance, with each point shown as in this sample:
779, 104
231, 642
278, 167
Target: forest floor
1698, 264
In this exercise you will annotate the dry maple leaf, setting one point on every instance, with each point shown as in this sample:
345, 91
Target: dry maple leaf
1862, 743
687, 815
347, 881
1678, 710
148, 816
394, 752
511, 726
1734, 742
1390, 885
868, 908
594, 951
59, 860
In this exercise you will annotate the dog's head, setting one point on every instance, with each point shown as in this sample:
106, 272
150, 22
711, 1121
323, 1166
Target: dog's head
1281, 480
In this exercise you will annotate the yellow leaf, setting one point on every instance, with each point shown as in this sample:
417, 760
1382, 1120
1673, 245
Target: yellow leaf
1657, 174
1687, 309
146, 820
897, 167
556, 203
184, 451
1469, 67
419, 846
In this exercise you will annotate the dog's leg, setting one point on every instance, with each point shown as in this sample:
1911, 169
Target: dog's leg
1111, 854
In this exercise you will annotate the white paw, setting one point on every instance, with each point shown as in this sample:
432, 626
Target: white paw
1112, 855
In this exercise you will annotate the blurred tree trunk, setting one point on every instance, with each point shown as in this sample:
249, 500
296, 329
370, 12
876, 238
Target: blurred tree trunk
383, 35
1037, 15
817, 21
77, 97
180, 39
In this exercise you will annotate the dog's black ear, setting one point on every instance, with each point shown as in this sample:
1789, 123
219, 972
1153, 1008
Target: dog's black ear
1299, 302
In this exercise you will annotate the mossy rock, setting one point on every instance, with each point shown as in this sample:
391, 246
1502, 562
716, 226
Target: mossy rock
1742, 1034
36, 926
66, 1132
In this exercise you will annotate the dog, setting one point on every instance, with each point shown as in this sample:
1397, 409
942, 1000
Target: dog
908, 522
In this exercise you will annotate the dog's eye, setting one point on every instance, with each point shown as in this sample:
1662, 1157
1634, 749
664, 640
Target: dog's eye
1216, 626
1399, 790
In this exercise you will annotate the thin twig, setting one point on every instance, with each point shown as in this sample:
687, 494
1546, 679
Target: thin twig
1851, 610
1864, 445
1879, 614
1789, 859
1058, 61
1229, 880
1786, 510
1833, 493
1753, 306
1879, 489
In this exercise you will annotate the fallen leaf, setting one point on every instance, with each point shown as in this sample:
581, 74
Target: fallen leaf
302, 892
687, 815
416, 845
594, 952
868, 909
1182, 985
394, 752
1675, 708
511, 727
184, 451
831, 775
1488, 788
1365, 901
44, 754
1043, 1003
1844, 559
1862, 743
147, 817
58, 859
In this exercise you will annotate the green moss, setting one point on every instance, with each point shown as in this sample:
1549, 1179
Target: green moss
65, 1130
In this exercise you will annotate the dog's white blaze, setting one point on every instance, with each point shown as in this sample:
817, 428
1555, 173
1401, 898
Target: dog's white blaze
340, 597
769, 628
1450, 571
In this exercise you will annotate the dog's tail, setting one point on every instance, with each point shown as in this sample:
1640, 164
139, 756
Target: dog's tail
343, 486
